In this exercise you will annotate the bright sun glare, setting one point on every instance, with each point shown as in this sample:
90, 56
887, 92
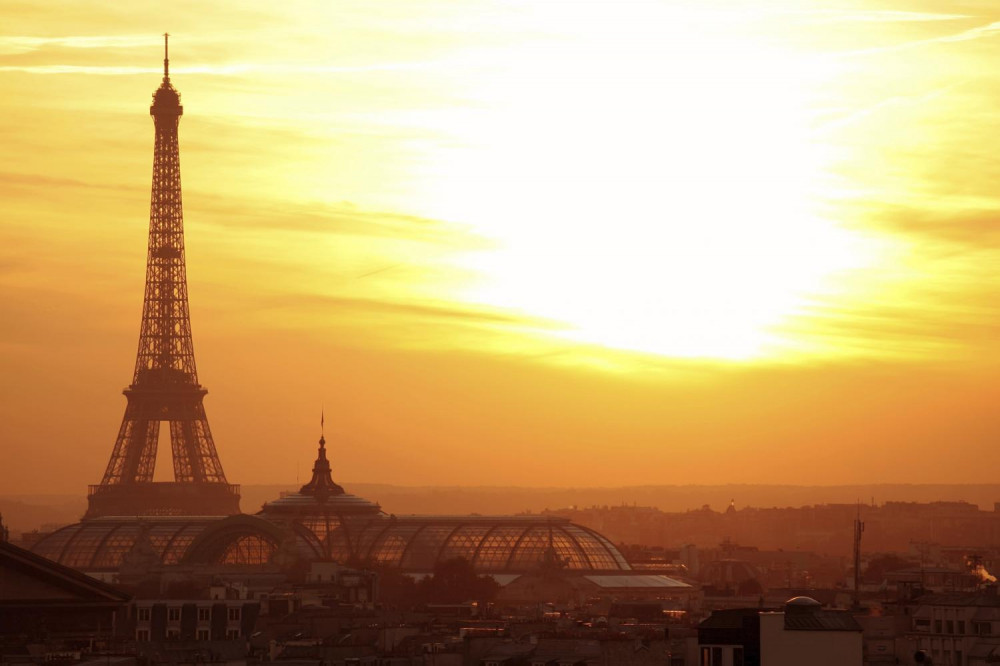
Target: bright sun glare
654, 187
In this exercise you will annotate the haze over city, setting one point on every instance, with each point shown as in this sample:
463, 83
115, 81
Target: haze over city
531, 244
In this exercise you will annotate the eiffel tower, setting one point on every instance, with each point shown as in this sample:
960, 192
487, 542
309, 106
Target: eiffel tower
165, 386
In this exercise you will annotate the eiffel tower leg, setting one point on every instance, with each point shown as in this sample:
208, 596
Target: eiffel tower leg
195, 457
185, 451
134, 455
210, 465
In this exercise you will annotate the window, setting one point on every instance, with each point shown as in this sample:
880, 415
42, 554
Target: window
142, 615
949, 627
981, 628
921, 624
142, 635
202, 635
173, 614
232, 634
173, 634
204, 614
234, 614
737, 656
961, 626
712, 656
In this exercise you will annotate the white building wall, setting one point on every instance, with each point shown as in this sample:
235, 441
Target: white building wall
779, 647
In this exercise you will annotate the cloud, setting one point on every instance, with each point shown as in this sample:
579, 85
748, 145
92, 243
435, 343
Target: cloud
18, 44
979, 32
938, 304
342, 218
894, 101
440, 311
228, 69
977, 229
928, 330
877, 16
10, 180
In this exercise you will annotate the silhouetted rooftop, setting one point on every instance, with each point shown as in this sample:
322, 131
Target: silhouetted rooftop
984, 599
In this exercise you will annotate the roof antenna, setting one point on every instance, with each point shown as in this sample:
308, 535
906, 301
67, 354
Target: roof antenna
166, 58
322, 433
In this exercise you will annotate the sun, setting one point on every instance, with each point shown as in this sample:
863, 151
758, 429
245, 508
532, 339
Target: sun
658, 191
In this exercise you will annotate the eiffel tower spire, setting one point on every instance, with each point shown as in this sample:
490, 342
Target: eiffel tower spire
165, 388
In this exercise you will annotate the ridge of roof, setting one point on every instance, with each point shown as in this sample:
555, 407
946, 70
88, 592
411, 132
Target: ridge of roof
59, 574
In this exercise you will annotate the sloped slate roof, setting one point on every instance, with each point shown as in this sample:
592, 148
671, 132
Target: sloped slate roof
16, 561
960, 599
636, 581
985, 650
730, 618
821, 620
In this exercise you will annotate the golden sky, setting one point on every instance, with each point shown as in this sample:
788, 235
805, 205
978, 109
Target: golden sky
516, 243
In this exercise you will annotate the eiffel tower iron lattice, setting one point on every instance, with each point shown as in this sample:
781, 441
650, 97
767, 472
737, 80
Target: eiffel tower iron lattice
165, 386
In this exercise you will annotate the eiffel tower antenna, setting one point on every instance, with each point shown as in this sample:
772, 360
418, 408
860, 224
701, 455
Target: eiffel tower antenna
165, 388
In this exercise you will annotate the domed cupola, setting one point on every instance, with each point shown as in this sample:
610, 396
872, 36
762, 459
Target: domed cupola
321, 485
321, 495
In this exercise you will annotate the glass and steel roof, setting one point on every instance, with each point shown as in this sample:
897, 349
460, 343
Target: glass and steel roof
493, 544
101, 544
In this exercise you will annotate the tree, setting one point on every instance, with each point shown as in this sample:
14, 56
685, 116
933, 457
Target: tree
455, 581
396, 588
879, 566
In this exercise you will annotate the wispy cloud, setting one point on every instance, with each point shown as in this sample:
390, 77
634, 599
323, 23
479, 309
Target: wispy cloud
978, 32
896, 100
338, 219
222, 69
947, 321
33, 180
17, 44
877, 16
978, 229
447, 311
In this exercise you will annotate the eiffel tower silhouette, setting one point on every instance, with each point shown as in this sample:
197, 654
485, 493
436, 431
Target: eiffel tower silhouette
165, 386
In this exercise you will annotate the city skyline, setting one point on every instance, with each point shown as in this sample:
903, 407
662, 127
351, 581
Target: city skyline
763, 250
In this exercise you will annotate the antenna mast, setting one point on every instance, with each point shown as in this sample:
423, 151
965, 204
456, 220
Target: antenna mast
859, 527
166, 57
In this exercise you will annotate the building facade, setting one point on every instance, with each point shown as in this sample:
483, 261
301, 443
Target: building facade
802, 632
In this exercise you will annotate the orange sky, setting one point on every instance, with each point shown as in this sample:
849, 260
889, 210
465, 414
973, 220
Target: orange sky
516, 243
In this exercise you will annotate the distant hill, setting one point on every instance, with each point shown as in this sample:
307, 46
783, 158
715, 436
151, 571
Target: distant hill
23, 513
670, 498
26, 512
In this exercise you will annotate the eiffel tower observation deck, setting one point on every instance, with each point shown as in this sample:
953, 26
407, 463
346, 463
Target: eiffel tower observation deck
165, 389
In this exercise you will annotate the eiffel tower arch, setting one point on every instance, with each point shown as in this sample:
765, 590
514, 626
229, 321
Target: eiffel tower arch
165, 389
